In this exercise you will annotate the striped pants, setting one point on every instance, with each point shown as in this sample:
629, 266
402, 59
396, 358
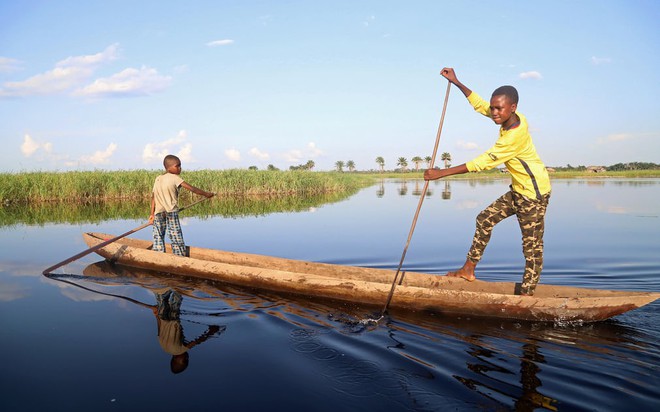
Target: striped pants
168, 221
531, 218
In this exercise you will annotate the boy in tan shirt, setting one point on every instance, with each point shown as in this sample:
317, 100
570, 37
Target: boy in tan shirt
165, 208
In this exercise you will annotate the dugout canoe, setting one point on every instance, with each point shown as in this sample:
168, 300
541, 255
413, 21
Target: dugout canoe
369, 286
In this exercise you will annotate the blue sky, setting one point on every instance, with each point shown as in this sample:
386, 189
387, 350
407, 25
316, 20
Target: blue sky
231, 84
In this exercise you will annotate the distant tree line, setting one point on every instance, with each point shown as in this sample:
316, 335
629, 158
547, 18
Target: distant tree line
614, 167
402, 165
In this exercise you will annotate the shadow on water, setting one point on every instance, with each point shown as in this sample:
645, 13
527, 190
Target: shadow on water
504, 362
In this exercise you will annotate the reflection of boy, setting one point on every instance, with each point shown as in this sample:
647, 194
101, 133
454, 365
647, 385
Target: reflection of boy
170, 331
530, 186
165, 207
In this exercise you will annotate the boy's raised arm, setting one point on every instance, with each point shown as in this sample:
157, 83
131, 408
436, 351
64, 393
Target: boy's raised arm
449, 74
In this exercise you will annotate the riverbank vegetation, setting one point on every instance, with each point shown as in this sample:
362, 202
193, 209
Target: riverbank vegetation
93, 186
97, 186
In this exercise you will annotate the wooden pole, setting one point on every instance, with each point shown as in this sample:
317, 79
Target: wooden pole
107, 242
419, 205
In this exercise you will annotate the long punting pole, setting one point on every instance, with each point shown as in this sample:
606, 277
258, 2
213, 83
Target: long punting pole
419, 205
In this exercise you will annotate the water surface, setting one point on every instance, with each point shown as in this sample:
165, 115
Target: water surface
88, 340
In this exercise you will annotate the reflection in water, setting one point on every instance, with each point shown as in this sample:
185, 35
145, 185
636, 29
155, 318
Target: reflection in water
527, 397
226, 206
446, 191
167, 310
402, 189
494, 370
170, 331
422, 342
380, 192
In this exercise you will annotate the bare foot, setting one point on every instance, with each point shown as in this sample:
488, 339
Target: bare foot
466, 272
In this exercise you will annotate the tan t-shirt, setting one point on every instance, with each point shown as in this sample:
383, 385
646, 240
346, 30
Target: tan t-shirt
166, 192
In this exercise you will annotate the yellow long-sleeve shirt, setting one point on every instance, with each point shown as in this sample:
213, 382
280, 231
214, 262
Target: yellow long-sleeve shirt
516, 150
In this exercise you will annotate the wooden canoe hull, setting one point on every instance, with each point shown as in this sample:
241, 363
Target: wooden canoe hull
418, 291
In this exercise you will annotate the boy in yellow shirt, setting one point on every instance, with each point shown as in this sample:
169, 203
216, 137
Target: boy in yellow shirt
530, 183
165, 206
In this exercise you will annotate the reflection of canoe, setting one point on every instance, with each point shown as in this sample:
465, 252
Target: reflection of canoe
418, 291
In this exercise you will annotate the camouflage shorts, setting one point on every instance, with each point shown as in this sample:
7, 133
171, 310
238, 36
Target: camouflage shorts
531, 218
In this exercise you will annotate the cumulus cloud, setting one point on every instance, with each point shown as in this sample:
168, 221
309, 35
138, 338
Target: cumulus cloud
293, 156
67, 74
109, 54
308, 153
8, 65
30, 146
530, 75
72, 75
600, 60
99, 157
217, 43
619, 137
254, 152
463, 145
178, 145
233, 154
128, 82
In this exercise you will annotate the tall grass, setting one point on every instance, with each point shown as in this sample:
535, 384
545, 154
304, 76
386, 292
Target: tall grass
137, 184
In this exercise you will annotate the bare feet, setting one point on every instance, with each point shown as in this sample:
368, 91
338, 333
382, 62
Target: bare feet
466, 272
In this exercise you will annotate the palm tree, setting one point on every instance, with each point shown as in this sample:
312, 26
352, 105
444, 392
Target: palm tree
428, 159
403, 163
446, 157
310, 165
339, 165
381, 163
351, 165
417, 160
272, 168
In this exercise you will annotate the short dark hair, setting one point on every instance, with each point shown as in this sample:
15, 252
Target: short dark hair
508, 91
170, 160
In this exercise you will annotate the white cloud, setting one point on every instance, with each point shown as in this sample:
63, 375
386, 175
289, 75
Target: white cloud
185, 153
67, 74
463, 145
619, 137
368, 20
8, 65
156, 151
254, 152
30, 146
313, 151
233, 154
223, 42
293, 156
298, 155
58, 80
72, 73
109, 54
100, 156
128, 82
600, 60
530, 75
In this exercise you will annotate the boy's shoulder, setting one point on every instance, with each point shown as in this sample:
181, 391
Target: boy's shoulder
169, 178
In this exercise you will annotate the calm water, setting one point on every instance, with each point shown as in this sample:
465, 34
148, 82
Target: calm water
88, 340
